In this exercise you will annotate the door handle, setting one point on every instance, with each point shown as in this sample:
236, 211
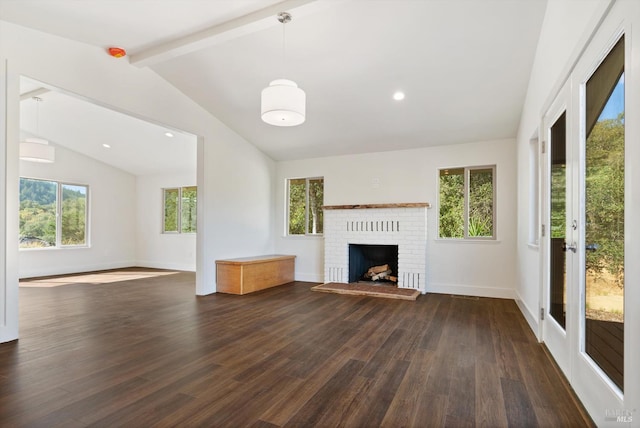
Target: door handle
592, 247
572, 247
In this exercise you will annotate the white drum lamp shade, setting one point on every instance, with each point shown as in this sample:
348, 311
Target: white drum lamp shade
283, 103
37, 150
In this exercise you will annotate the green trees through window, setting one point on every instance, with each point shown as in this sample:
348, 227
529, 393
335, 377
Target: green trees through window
188, 209
171, 199
467, 203
40, 203
605, 198
74, 214
306, 197
452, 203
180, 206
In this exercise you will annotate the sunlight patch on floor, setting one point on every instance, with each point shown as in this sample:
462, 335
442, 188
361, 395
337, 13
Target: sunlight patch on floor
94, 278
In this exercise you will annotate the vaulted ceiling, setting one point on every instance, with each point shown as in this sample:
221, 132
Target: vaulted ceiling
463, 64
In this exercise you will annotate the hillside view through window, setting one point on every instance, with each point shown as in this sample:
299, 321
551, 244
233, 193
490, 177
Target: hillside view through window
42, 202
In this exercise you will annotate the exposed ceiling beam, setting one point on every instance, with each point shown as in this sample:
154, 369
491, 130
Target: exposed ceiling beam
34, 93
247, 24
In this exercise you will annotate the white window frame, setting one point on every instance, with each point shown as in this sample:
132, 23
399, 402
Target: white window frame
466, 237
178, 212
306, 205
59, 190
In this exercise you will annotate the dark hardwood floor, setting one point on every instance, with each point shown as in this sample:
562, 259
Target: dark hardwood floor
147, 352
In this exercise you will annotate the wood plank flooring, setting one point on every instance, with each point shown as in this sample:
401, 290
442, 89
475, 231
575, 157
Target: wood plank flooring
147, 352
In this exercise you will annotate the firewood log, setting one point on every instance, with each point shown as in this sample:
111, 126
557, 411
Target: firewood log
381, 275
377, 269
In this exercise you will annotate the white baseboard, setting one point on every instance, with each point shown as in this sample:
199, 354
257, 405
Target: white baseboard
530, 316
309, 277
471, 290
162, 265
64, 270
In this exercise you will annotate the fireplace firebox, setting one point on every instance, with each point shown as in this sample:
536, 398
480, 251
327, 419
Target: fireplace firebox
362, 257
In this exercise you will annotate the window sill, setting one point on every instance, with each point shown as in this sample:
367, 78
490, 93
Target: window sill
467, 241
302, 236
74, 247
179, 233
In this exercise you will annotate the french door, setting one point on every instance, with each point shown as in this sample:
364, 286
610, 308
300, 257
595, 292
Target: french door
588, 221
560, 232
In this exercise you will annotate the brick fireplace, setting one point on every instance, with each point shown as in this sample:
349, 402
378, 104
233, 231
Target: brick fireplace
402, 225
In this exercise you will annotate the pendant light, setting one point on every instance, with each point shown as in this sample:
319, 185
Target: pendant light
37, 149
283, 102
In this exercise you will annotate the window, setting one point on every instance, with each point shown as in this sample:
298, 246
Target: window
180, 205
305, 215
534, 191
52, 214
467, 203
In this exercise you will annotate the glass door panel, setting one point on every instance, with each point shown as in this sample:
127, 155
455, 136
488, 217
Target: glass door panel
558, 217
604, 216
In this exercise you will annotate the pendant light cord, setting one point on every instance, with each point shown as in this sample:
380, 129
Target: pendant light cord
284, 48
284, 17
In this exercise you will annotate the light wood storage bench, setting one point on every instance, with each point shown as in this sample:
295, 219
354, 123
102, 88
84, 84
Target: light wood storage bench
249, 274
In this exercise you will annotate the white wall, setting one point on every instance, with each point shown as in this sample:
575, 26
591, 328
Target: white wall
565, 26
234, 178
153, 248
477, 268
111, 223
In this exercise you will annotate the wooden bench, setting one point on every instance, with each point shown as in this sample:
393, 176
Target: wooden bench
249, 274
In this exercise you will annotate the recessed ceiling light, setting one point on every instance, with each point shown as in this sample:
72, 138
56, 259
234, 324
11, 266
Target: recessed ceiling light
106, 146
398, 96
168, 134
